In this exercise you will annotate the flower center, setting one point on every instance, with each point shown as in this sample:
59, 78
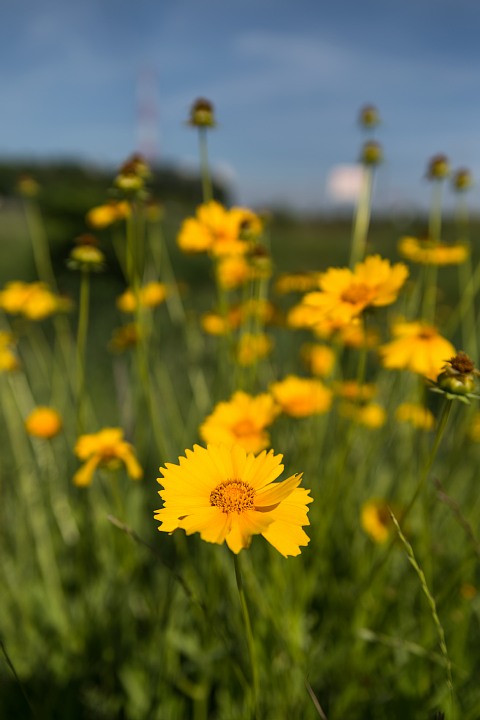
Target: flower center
233, 496
356, 294
244, 428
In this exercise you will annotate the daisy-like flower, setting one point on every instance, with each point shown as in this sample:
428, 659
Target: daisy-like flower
319, 358
227, 495
43, 422
376, 520
354, 391
417, 347
150, 295
345, 294
34, 301
296, 282
233, 271
416, 415
108, 449
8, 360
104, 215
253, 347
301, 397
241, 420
372, 415
218, 230
428, 252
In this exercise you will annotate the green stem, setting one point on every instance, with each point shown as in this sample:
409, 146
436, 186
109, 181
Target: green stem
41, 253
82, 331
362, 218
248, 631
431, 270
204, 166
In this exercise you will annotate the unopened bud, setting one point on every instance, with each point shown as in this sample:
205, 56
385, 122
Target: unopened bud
372, 153
369, 117
202, 113
438, 168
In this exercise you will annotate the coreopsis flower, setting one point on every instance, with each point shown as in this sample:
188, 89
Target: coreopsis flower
107, 449
345, 294
428, 252
416, 415
202, 114
372, 153
34, 301
301, 397
353, 390
43, 422
252, 347
417, 347
218, 230
103, 216
227, 495
438, 167
132, 175
376, 520
457, 381
150, 295
124, 337
371, 415
368, 117
8, 359
300, 282
319, 358
355, 335
233, 271
462, 180
86, 256
215, 324
241, 420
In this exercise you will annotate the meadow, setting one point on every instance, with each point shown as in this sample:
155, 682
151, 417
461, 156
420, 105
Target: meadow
199, 344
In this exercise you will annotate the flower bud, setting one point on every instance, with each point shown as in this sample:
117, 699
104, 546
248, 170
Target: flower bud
368, 117
372, 153
438, 168
462, 180
202, 114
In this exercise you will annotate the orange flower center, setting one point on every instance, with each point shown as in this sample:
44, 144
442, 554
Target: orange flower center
233, 496
356, 294
244, 428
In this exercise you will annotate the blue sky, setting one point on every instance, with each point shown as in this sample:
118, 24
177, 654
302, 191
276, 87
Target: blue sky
287, 79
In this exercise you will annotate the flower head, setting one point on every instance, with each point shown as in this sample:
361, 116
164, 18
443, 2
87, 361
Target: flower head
150, 295
107, 448
218, 230
371, 415
8, 360
345, 294
319, 358
104, 215
253, 347
376, 520
416, 415
202, 114
301, 397
227, 495
417, 347
43, 422
429, 252
34, 301
438, 167
241, 420
458, 378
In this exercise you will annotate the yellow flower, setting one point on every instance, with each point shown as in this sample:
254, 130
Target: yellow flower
218, 230
150, 295
296, 282
8, 361
106, 448
352, 390
241, 420
124, 338
104, 215
319, 358
417, 415
252, 347
301, 397
344, 294
430, 252
227, 495
43, 422
376, 520
33, 300
372, 415
233, 271
417, 347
